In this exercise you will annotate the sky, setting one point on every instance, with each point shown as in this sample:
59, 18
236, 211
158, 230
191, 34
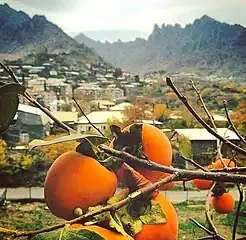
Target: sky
129, 18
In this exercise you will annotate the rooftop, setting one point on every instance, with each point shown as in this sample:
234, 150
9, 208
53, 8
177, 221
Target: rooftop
66, 116
101, 117
196, 134
121, 106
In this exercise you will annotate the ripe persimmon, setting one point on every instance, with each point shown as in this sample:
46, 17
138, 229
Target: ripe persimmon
77, 181
202, 184
103, 232
162, 231
218, 164
155, 146
223, 204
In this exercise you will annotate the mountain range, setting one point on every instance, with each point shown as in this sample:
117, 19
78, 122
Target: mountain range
206, 45
21, 34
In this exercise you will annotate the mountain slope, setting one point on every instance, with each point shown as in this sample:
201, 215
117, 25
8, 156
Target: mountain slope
22, 34
205, 44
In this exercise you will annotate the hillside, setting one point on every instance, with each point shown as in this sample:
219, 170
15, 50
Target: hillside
206, 45
21, 35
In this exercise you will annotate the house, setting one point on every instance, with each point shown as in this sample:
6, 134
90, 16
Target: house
121, 106
69, 118
31, 123
99, 119
102, 104
203, 143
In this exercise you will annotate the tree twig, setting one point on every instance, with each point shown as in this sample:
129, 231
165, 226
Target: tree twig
81, 110
207, 211
201, 226
210, 117
201, 121
232, 124
186, 174
240, 190
34, 102
193, 163
109, 208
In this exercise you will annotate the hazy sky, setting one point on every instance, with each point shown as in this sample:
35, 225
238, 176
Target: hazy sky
92, 15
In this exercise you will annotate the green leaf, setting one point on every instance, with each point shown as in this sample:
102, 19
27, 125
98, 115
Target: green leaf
9, 102
106, 220
120, 196
47, 236
152, 214
95, 139
82, 234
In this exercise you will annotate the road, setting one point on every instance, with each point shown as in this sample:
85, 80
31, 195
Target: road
37, 193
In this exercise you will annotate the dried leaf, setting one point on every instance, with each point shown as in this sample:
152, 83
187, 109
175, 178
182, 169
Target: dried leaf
95, 139
79, 234
9, 102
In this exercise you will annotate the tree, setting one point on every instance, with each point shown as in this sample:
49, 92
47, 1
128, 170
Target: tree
66, 107
239, 116
161, 111
117, 72
141, 110
3, 146
53, 151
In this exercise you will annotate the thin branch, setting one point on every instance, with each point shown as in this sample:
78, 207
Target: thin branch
234, 169
201, 121
81, 110
109, 208
207, 211
210, 117
191, 161
240, 190
186, 174
232, 124
202, 227
33, 101
173, 135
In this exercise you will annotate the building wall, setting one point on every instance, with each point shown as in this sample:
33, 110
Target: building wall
26, 123
204, 152
83, 128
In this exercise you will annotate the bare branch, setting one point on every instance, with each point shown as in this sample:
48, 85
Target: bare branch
193, 163
37, 104
81, 110
231, 123
207, 211
202, 227
240, 190
109, 208
210, 117
201, 121
186, 174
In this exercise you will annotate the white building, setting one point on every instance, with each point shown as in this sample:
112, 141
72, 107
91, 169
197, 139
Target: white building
99, 119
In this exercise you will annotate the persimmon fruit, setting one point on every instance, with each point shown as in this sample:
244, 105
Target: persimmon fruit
202, 184
156, 147
162, 231
77, 181
218, 164
103, 232
223, 204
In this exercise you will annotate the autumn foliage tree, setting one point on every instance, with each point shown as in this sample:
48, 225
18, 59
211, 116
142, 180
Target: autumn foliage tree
239, 116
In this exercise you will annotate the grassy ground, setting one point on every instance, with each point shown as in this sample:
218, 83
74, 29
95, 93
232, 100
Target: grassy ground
36, 215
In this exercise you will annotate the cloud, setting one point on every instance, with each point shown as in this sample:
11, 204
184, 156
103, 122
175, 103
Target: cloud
50, 5
92, 15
